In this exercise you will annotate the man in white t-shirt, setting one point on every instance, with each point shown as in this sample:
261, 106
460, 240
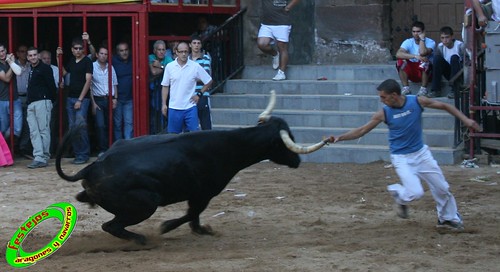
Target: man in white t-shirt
179, 86
447, 60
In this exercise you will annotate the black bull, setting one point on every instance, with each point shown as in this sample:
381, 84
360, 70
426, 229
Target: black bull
136, 176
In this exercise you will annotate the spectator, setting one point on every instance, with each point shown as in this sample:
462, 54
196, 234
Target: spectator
486, 10
8, 68
100, 97
414, 59
91, 49
123, 117
203, 30
411, 158
203, 104
447, 60
275, 27
25, 147
46, 58
179, 81
41, 93
77, 104
157, 62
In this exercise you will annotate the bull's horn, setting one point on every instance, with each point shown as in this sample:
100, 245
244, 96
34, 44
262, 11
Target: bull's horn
266, 114
298, 148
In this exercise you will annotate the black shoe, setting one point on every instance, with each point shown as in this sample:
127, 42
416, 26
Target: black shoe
80, 161
37, 164
451, 225
402, 211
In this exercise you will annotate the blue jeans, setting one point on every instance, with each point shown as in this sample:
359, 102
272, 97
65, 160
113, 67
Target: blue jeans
442, 68
5, 117
124, 118
77, 118
102, 123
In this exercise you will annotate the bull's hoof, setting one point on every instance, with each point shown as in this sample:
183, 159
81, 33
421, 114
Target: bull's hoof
202, 230
140, 240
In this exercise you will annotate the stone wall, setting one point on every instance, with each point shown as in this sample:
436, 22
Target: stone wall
328, 32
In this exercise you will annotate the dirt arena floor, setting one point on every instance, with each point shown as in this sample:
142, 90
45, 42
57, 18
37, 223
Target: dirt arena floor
319, 217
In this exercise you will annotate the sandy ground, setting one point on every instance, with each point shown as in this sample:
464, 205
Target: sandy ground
319, 217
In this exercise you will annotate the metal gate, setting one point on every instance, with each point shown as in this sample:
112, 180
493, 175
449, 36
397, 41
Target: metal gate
50, 30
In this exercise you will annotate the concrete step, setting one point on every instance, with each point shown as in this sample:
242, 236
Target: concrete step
378, 136
304, 101
324, 87
330, 72
323, 100
316, 118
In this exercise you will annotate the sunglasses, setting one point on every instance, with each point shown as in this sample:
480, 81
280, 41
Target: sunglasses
77, 47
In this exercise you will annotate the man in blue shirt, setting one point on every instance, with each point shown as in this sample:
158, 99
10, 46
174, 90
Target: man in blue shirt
410, 157
124, 115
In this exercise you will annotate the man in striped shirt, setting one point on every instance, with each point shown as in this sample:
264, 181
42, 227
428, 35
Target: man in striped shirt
198, 55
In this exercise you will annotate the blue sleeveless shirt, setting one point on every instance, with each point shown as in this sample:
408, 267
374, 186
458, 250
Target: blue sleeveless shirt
405, 126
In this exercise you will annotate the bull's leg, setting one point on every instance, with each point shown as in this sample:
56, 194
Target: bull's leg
83, 197
196, 207
135, 207
117, 228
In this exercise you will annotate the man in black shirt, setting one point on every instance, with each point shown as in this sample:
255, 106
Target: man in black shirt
78, 101
41, 93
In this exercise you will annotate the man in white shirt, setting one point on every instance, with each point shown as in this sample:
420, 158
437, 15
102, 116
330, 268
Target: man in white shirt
447, 60
179, 80
100, 96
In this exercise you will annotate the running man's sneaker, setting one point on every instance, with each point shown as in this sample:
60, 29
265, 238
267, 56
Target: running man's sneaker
451, 225
422, 91
406, 90
276, 61
401, 210
279, 76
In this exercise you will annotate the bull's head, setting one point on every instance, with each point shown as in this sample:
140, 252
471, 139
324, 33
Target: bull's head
285, 136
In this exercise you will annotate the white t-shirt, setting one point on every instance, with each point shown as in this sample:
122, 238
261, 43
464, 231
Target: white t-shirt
182, 82
448, 52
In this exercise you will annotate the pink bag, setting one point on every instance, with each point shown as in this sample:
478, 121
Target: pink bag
5, 155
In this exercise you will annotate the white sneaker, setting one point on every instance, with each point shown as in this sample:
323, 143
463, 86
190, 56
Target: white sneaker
406, 90
280, 75
422, 91
276, 61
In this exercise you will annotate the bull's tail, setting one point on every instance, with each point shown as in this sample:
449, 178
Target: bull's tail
72, 134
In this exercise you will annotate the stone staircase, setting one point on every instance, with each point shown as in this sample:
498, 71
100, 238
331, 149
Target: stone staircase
345, 98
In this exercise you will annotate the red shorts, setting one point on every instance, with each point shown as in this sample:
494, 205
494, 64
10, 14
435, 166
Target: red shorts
413, 69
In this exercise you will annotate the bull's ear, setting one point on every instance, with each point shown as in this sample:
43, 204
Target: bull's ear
266, 114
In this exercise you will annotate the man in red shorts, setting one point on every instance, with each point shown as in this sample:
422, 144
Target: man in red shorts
414, 59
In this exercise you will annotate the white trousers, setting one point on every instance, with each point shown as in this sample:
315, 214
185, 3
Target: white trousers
420, 165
